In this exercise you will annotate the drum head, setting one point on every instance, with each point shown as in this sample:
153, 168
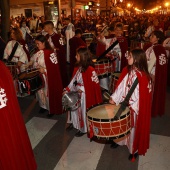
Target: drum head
27, 75
105, 111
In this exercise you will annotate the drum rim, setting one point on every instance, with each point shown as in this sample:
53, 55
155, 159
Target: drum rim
108, 120
104, 120
102, 61
25, 78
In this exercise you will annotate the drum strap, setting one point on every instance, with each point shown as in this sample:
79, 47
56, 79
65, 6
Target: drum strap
125, 103
105, 52
13, 51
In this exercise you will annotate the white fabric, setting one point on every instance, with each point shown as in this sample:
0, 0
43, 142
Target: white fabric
69, 34
25, 30
33, 24
151, 60
119, 95
19, 55
166, 44
82, 110
42, 94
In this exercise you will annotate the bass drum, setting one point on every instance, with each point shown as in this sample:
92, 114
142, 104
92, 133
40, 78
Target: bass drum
30, 82
102, 124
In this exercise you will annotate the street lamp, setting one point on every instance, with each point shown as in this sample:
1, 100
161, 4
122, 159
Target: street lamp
167, 4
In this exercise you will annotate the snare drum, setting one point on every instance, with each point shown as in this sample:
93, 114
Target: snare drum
101, 122
29, 82
12, 68
113, 81
88, 38
103, 67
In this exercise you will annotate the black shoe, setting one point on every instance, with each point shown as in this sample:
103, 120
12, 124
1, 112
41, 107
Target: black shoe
70, 127
79, 134
114, 145
42, 110
132, 157
50, 115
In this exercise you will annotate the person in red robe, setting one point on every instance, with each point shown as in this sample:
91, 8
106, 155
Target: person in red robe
86, 83
139, 103
57, 43
15, 147
157, 66
117, 54
45, 60
75, 43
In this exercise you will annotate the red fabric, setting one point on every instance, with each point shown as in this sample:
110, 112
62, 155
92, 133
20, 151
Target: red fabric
55, 87
100, 49
92, 89
142, 132
74, 43
168, 75
61, 55
123, 43
147, 45
15, 148
159, 95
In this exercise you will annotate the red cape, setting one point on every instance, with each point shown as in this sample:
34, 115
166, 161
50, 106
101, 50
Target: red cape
61, 55
92, 89
55, 87
74, 43
15, 148
142, 132
159, 95
124, 48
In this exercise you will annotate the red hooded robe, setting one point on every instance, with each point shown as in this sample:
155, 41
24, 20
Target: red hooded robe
142, 132
15, 148
61, 55
55, 87
159, 94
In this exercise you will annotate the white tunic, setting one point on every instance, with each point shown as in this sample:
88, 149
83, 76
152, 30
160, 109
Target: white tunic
42, 94
119, 95
69, 34
19, 55
81, 112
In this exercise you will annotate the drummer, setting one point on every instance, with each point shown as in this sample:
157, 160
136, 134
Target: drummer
117, 54
20, 57
45, 60
86, 82
139, 103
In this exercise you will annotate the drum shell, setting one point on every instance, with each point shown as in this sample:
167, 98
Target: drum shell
113, 81
108, 128
103, 68
30, 82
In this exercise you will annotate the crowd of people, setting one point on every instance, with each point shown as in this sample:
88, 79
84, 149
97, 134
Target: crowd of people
51, 49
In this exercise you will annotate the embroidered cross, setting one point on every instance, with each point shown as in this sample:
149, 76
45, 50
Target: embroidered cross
3, 98
162, 59
61, 41
53, 58
149, 86
94, 77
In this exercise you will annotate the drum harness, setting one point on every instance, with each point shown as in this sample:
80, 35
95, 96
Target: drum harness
124, 104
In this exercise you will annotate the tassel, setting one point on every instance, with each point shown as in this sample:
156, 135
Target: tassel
133, 159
